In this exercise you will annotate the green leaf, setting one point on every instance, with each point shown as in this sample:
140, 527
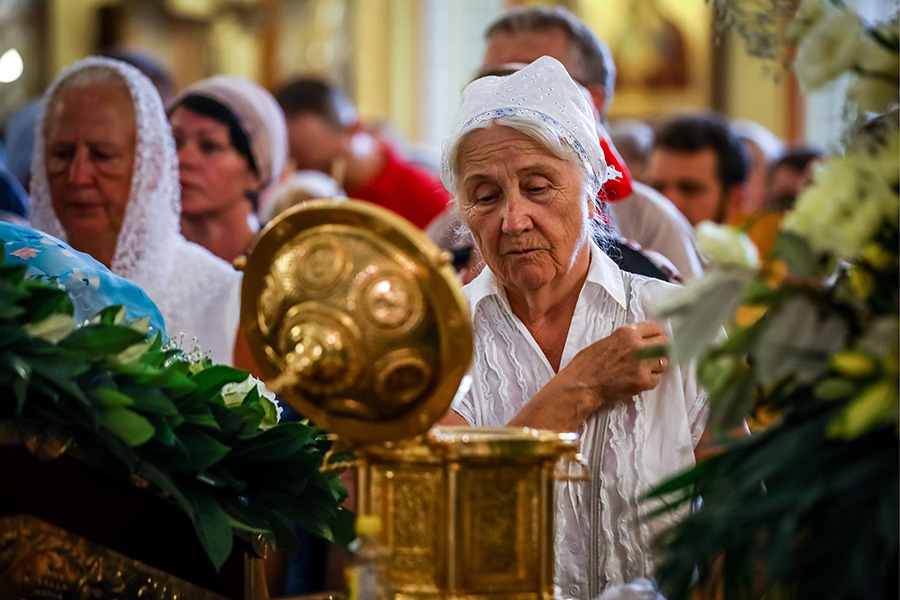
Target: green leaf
110, 397
796, 252
167, 483
795, 343
127, 425
698, 325
278, 442
53, 328
101, 340
20, 376
731, 405
211, 379
44, 302
212, 525
61, 374
203, 450
867, 410
152, 400
202, 417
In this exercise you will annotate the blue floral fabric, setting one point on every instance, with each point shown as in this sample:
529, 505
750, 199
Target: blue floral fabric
89, 283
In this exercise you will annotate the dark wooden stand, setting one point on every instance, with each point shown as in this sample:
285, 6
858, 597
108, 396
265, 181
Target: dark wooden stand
70, 494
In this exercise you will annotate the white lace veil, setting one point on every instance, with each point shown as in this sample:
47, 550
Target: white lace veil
151, 226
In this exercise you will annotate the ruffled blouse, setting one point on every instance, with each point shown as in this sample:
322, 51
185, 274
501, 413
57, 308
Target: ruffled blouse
632, 445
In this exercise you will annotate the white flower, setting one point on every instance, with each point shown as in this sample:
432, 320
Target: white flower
846, 205
875, 88
808, 14
726, 246
830, 48
234, 394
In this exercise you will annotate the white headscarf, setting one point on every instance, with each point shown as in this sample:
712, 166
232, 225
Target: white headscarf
542, 92
259, 116
197, 293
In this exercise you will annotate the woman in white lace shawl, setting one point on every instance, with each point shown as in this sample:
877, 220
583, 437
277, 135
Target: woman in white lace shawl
105, 180
558, 327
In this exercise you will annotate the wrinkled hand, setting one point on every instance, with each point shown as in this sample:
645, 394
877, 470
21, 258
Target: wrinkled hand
610, 368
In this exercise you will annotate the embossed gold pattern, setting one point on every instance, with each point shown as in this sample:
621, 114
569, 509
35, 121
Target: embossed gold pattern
357, 319
38, 560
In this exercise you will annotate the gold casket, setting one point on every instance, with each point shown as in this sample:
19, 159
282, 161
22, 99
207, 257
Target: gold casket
359, 322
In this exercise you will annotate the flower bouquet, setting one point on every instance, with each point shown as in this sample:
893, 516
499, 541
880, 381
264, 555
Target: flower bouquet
205, 437
807, 507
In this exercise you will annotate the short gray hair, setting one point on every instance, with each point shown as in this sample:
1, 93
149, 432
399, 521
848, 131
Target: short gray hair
87, 77
593, 55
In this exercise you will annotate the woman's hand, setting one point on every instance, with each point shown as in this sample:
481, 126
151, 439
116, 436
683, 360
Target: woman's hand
608, 370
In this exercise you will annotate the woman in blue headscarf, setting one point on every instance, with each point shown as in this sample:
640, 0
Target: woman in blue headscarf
91, 285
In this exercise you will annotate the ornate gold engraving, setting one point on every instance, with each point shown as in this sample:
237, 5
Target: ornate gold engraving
38, 560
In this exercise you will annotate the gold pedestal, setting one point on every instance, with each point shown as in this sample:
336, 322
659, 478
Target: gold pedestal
468, 512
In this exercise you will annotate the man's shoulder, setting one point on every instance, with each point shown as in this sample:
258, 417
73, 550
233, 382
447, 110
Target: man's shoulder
648, 200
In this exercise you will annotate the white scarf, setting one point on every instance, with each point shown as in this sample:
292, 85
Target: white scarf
197, 293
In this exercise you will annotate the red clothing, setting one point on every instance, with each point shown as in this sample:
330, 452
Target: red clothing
405, 189
615, 189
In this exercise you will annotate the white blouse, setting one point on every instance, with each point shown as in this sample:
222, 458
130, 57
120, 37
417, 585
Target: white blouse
643, 441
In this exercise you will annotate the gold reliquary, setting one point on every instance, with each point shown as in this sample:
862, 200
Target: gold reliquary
359, 322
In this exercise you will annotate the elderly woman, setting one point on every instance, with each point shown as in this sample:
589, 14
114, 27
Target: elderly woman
105, 180
232, 146
558, 327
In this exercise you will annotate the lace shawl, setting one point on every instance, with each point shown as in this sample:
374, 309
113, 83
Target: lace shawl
197, 293
645, 440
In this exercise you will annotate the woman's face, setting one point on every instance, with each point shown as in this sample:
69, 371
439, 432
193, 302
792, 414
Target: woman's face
89, 139
527, 209
213, 175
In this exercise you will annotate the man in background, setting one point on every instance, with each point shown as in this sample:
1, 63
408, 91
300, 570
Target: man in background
325, 134
636, 211
701, 166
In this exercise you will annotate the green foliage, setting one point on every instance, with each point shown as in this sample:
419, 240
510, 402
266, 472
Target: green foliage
149, 412
807, 507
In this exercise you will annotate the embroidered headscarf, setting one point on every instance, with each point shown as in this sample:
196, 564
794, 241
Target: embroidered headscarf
542, 92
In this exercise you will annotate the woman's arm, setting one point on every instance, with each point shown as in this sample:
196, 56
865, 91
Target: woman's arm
608, 370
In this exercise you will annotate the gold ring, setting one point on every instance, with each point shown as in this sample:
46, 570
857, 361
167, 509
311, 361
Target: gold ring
659, 368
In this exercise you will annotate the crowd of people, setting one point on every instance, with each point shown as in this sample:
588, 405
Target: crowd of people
563, 244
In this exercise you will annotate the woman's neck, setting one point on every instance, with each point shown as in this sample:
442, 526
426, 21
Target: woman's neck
547, 312
99, 247
227, 234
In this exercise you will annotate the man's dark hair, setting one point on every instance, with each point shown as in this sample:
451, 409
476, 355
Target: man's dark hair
155, 71
797, 158
311, 95
696, 132
592, 53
